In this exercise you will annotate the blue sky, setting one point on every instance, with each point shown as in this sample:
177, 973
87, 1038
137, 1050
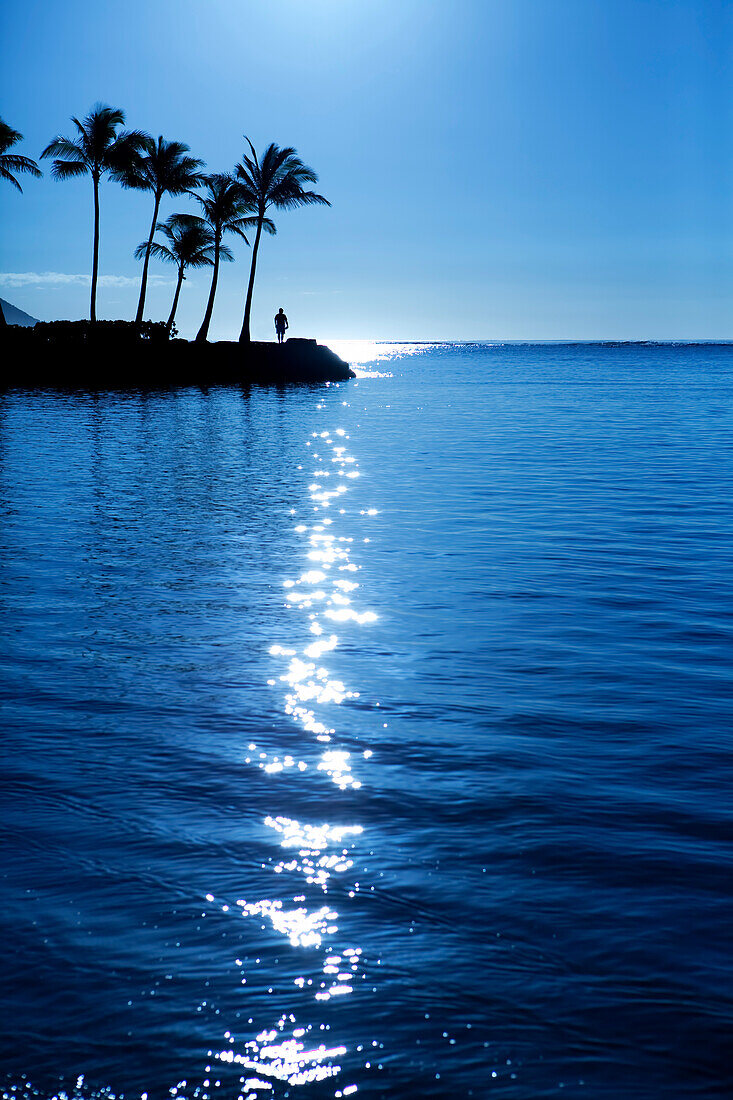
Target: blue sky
498, 169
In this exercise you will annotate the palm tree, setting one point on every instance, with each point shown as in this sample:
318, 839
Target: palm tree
190, 244
99, 149
163, 168
10, 163
275, 180
226, 212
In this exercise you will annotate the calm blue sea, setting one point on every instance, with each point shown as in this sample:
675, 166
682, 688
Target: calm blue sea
372, 739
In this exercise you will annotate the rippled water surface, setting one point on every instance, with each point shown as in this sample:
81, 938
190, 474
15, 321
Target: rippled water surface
372, 738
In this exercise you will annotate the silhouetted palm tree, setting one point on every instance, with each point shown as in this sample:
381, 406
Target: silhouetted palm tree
226, 212
99, 149
274, 180
190, 244
163, 168
10, 163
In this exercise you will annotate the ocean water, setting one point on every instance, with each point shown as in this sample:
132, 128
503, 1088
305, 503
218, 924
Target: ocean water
372, 739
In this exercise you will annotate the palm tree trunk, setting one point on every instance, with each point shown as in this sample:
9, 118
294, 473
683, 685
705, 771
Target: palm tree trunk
175, 298
203, 332
144, 283
244, 337
95, 255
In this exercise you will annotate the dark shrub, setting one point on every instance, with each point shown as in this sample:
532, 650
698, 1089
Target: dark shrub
114, 334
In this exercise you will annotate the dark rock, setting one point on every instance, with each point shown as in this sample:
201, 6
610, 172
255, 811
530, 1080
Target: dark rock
75, 355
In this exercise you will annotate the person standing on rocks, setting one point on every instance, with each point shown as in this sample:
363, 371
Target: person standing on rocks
281, 323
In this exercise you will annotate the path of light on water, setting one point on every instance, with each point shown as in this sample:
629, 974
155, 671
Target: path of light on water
322, 595
365, 356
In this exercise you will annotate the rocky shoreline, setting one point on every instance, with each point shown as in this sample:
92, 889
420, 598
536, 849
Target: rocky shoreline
51, 361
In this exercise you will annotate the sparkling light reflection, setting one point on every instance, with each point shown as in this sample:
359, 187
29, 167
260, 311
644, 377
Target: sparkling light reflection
320, 598
364, 355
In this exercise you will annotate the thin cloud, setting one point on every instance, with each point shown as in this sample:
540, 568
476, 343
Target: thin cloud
60, 278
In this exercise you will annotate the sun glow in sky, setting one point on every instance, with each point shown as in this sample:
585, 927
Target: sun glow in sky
498, 169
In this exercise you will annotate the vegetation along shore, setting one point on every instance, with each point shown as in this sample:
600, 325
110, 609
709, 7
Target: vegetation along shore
119, 355
237, 203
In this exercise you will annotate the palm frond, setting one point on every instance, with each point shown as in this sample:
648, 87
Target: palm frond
248, 187
163, 167
121, 160
126, 143
136, 137
224, 205
276, 179
65, 149
174, 149
160, 251
288, 195
191, 164
310, 198
99, 131
302, 173
8, 136
253, 164
191, 242
183, 221
17, 163
203, 258
68, 169
103, 113
131, 169
140, 250
276, 162
132, 177
100, 125
6, 175
14, 162
238, 226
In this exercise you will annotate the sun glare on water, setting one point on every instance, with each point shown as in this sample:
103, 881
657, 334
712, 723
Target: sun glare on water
315, 865
366, 356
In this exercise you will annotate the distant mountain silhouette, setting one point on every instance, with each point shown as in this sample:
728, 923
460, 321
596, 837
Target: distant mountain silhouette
15, 316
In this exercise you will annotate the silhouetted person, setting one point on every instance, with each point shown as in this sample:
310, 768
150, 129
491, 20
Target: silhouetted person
281, 323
